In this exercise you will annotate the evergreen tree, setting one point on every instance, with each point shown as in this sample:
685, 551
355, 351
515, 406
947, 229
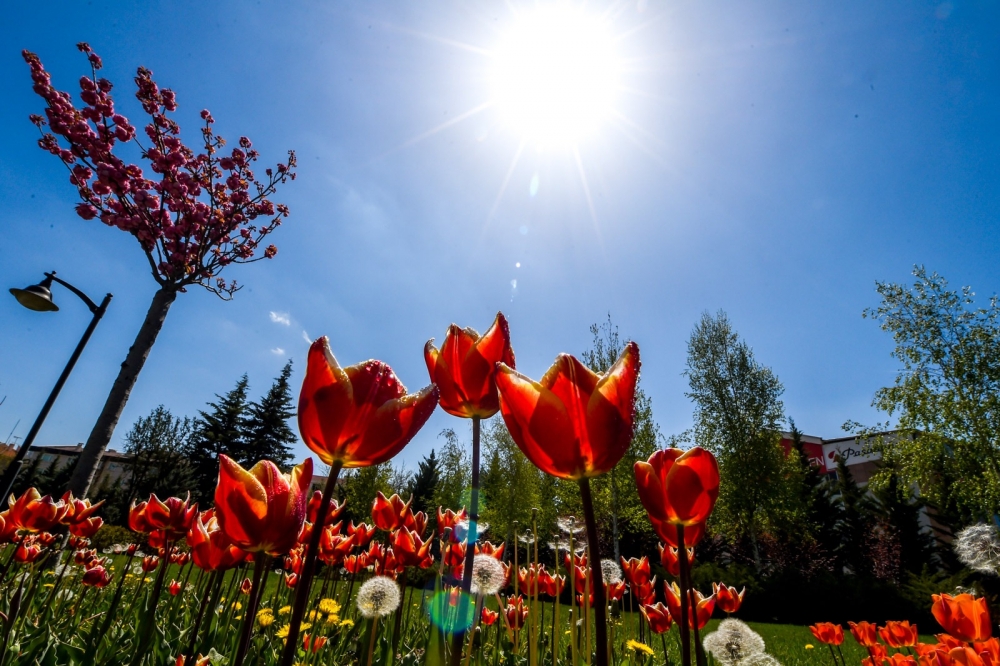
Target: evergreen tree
268, 435
424, 484
821, 513
900, 511
856, 521
220, 430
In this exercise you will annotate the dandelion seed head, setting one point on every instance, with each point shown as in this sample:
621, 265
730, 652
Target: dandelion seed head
978, 547
487, 575
735, 644
611, 572
378, 597
569, 525
461, 531
527, 538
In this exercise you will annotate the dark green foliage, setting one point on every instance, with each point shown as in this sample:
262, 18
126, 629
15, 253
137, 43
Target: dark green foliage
219, 430
267, 434
424, 483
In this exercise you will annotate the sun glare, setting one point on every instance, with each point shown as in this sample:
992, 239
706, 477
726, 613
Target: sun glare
555, 75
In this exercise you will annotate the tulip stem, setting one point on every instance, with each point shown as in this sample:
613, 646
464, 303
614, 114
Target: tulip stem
600, 606
189, 655
470, 543
685, 627
305, 580
259, 564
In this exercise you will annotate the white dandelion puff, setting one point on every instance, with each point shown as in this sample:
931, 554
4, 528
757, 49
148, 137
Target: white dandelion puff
570, 525
378, 597
735, 644
461, 531
611, 572
978, 547
487, 575
527, 538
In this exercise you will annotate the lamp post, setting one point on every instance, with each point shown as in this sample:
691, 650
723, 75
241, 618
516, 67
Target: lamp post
38, 297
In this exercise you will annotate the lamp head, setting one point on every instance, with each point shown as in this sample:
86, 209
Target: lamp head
37, 297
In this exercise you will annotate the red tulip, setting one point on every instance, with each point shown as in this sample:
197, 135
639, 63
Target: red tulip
516, 612
96, 576
727, 598
678, 487
646, 594
211, 549
898, 634
900, 659
464, 368
361, 532
149, 563
291, 580
33, 513
554, 585
26, 552
333, 548
670, 558
488, 617
828, 633
865, 633
360, 415
333, 511
700, 614
355, 563
174, 587
388, 514
615, 591
658, 617
636, 571
693, 534
573, 423
314, 644
487, 548
8, 529
261, 509
449, 518
410, 551
963, 616
172, 518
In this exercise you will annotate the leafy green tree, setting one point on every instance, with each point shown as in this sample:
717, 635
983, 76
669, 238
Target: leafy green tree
359, 486
268, 435
453, 486
219, 430
615, 493
946, 395
738, 414
510, 484
158, 446
424, 484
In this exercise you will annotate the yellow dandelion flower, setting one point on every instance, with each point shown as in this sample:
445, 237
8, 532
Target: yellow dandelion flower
809, 646
329, 606
332, 618
147, 579
313, 614
347, 622
48, 584
237, 605
265, 618
238, 617
284, 610
636, 646
282, 631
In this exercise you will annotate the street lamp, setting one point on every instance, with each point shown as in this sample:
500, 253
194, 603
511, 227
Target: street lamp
38, 297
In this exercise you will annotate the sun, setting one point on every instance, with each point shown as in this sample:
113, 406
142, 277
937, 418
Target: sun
555, 75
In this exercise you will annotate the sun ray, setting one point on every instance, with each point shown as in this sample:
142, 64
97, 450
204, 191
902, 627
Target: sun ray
506, 181
441, 40
625, 132
443, 126
586, 192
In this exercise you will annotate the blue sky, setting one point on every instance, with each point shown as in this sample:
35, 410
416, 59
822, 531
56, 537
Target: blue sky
780, 158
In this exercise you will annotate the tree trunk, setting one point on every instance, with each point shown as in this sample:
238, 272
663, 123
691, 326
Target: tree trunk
100, 436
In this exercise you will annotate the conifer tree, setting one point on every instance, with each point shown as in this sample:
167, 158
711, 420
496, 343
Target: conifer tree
268, 435
424, 484
219, 430
856, 521
820, 512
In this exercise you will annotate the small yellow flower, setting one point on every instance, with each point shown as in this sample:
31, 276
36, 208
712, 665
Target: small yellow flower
347, 622
147, 579
284, 610
636, 646
283, 631
329, 606
265, 618
809, 646
313, 614
237, 605
332, 618
48, 584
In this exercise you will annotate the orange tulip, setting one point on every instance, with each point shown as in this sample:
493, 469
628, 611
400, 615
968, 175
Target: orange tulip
388, 514
966, 656
936, 657
464, 368
362, 533
900, 659
635, 571
448, 519
948, 642
360, 415
310, 644
573, 423
678, 487
516, 612
530, 579
355, 563
898, 634
963, 616
828, 633
693, 534
670, 559
27, 553
261, 509
211, 549
333, 548
658, 616
729, 600
990, 648
333, 511
703, 606
33, 513
865, 633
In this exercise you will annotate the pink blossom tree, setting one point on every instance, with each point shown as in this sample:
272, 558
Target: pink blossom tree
193, 213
